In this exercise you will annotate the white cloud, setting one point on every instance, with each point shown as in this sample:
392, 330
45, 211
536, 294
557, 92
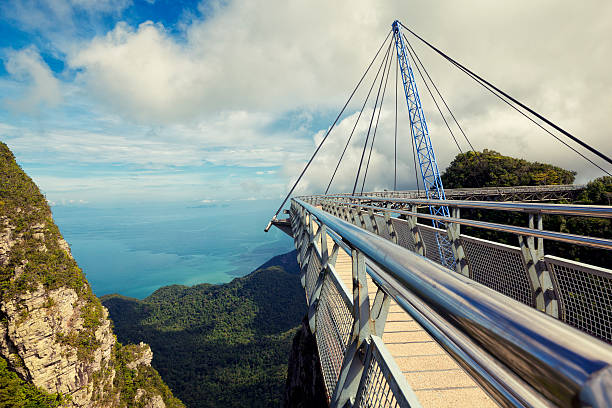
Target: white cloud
43, 88
212, 94
247, 56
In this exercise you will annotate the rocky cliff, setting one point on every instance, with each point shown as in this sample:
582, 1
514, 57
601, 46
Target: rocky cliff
54, 333
305, 387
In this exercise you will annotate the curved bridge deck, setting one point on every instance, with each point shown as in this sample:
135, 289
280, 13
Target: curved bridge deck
426, 335
434, 376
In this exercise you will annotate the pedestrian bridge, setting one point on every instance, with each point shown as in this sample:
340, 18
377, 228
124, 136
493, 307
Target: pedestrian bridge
510, 325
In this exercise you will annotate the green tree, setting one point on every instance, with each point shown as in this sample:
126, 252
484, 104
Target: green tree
492, 169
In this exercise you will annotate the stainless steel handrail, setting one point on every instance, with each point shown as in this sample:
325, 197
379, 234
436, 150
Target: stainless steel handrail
601, 211
521, 356
551, 188
594, 242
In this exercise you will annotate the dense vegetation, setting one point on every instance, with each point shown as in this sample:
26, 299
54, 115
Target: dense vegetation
17, 393
146, 378
491, 169
219, 345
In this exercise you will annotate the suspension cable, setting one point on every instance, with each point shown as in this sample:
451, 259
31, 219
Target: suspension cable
328, 132
365, 174
371, 120
353, 130
500, 97
484, 81
434, 99
438, 92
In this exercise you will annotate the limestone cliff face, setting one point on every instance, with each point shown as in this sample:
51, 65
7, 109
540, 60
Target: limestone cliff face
54, 332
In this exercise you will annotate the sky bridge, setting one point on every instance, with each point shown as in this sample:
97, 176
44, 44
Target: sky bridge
453, 297
511, 325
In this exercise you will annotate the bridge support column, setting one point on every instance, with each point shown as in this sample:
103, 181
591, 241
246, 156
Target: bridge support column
454, 235
532, 249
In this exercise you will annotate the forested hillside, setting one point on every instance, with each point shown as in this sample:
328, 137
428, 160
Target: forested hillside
490, 169
220, 345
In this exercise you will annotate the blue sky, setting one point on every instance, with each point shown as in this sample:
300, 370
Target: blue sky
160, 100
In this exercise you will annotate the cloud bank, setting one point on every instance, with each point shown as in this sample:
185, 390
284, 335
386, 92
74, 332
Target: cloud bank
251, 87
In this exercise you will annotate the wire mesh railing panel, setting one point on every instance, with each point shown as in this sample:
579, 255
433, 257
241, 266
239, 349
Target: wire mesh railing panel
383, 230
404, 234
585, 295
383, 385
334, 321
499, 267
377, 392
312, 273
428, 235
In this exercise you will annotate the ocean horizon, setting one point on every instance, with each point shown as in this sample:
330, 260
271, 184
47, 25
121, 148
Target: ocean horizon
133, 249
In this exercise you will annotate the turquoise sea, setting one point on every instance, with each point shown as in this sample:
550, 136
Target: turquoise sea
134, 249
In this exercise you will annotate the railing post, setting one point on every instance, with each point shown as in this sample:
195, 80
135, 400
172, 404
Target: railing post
419, 248
379, 312
390, 228
361, 219
353, 362
373, 222
352, 214
316, 293
361, 302
454, 235
300, 232
532, 249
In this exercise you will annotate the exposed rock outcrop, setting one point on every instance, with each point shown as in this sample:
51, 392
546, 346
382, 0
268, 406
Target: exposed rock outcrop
54, 333
35, 324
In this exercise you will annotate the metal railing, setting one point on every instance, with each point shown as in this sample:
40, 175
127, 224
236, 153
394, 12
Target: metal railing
519, 193
576, 293
519, 356
344, 343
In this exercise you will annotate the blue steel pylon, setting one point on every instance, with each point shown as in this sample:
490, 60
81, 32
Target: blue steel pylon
432, 183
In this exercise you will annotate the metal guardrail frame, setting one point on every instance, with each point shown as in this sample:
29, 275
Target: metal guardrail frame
594, 242
538, 277
382, 384
519, 193
603, 211
345, 347
519, 356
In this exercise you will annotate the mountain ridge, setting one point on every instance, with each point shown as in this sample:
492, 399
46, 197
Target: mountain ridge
224, 344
